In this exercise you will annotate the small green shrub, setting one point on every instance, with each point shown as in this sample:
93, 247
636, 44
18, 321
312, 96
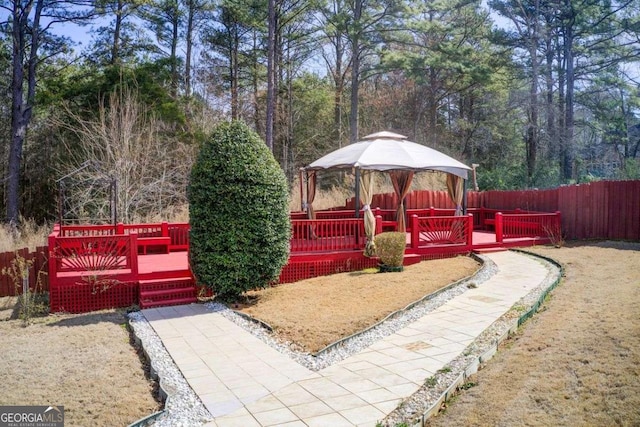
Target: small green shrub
390, 248
238, 209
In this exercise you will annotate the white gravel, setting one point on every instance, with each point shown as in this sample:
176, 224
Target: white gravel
184, 408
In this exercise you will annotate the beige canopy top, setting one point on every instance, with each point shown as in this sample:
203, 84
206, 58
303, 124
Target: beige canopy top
384, 151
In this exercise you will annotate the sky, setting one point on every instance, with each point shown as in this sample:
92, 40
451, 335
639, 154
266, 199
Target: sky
81, 37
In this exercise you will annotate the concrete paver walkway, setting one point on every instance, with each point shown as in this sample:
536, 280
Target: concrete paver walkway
244, 382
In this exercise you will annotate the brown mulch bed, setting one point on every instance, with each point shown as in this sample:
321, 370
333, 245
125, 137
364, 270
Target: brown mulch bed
316, 312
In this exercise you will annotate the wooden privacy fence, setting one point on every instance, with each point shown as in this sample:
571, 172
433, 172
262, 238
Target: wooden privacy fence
596, 210
38, 268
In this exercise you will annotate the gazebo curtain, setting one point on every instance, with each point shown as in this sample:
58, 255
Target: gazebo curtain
311, 194
455, 188
401, 181
366, 192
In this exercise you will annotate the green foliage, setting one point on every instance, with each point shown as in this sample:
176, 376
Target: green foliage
238, 207
631, 169
390, 248
87, 88
313, 118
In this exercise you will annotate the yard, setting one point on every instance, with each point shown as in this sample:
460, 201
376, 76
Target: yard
84, 362
575, 363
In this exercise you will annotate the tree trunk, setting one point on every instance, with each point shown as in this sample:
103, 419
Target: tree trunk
567, 154
561, 108
189, 42
271, 74
257, 121
532, 126
338, 80
21, 108
550, 108
174, 52
115, 48
355, 72
234, 70
432, 109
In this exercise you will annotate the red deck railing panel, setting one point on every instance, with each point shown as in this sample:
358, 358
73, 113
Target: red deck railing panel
92, 253
324, 235
441, 231
179, 234
512, 226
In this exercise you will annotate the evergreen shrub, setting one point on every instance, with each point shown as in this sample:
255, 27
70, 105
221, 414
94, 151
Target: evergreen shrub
239, 213
390, 249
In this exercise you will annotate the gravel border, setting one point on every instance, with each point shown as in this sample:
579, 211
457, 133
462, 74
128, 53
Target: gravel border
184, 408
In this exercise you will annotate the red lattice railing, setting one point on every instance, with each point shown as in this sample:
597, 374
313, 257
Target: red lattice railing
322, 235
513, 226
93, 253
179, 234
441, 231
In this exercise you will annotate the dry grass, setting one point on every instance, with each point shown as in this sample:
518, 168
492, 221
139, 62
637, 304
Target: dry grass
316, 312
577, 363
28, 235
84, 362
179, 213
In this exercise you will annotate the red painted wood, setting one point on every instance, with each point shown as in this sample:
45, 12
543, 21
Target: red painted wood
596, 210
635, 215
6, 289
498, 224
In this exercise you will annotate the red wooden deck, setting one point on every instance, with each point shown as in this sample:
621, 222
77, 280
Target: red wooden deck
95, 267
157, 265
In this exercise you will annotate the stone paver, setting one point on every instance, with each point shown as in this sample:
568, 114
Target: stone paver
243, 381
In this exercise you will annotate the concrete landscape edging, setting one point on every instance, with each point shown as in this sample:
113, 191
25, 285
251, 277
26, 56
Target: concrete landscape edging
477, 363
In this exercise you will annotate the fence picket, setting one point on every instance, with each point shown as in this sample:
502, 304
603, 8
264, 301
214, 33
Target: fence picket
39, 258
604, 209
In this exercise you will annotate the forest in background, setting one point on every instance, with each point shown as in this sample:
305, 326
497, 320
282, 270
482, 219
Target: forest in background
538, 93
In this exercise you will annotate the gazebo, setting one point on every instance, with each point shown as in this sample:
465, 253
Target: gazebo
393, 153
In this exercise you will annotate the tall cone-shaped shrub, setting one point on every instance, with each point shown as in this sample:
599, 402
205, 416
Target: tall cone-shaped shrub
238, 210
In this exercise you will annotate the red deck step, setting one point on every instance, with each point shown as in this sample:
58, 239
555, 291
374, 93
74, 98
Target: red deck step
410, 259
166, 303
167, 291
165, 283
489, 250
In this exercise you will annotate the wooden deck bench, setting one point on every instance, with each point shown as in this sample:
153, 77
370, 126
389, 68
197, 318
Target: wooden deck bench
145, 242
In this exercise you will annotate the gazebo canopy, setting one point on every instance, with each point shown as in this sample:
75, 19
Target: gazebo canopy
385, 151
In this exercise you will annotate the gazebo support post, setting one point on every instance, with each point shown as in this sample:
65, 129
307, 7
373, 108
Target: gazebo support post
357, 201
302, 181
464, 197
